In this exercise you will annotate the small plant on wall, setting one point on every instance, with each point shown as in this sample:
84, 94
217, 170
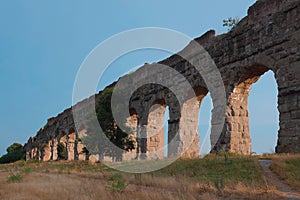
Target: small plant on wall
231, 23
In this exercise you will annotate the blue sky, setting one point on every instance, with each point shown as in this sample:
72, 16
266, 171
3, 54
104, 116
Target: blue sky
43, 44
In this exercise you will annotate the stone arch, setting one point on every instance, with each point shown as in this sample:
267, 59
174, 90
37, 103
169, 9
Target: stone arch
236, 134
149, 108
155, 113
182, 120
264, 114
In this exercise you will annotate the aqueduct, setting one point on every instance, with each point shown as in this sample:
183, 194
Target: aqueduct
267, 39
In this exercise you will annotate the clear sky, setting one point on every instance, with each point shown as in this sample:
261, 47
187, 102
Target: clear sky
43, 43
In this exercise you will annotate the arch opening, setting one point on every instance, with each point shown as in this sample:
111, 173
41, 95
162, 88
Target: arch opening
166, 129
263, 114
248, 125
204, 124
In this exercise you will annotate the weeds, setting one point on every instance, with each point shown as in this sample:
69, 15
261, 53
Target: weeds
220, 184
15, 178
116, 183
138, 177
27, 170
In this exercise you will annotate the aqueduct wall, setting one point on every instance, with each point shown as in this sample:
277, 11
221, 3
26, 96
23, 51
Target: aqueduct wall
267, 39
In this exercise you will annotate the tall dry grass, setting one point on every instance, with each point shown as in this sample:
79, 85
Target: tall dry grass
185, 179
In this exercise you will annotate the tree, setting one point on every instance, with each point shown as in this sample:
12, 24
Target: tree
61, 151
98, 143
15, 152
231, 23
14, 147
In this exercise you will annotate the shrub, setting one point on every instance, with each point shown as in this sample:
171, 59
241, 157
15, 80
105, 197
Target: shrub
116, 183
15, 178
231, 23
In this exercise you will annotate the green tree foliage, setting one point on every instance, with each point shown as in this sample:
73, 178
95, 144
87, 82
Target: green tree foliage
231, 23
15, 152
112, 132
86, 152
14, 147
61, 151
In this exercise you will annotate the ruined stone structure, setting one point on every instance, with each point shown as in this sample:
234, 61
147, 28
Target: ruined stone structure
267, 39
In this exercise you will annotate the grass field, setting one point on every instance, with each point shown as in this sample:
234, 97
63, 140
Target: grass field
213, 177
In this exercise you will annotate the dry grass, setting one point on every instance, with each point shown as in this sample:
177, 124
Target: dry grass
277, 156
73, 186
81, 180
288, 169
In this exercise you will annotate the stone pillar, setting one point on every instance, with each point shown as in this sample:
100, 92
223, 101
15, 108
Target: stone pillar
235, 136
32, 155
155, 131
46, 151
28, 155
237, 122
289, 108
54, 143
188, 128
71, 145
183, 138
131, 123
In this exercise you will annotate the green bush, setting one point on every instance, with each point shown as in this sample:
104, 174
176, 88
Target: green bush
116, 183
15, 178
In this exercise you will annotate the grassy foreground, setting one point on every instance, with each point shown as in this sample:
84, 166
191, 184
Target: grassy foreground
213, 177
